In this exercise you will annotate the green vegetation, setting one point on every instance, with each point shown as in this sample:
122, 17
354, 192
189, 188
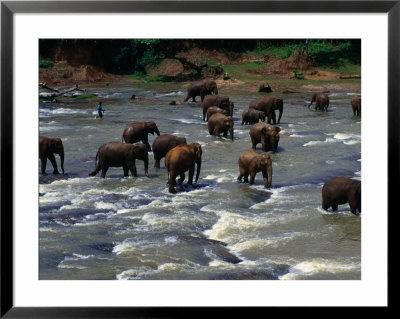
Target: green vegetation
45, 64
299, 76
132, 56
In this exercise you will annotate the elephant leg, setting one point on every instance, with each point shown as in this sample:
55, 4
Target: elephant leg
145, 141
126, 170
241, 174
252, 177
269, 118
334, 207
182, 178
53, 162
325, 204
202, 97
225, 134
43, 162
132, 168
171, 182
246, 177
104, 169
353, 205
156, 160
216, 132
194, 98
273, 117
191, 173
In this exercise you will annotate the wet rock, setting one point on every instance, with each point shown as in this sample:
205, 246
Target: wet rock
106, 247
68, 220
41, 194
227, 256
272, 273
174, 103
114, 197
199, 240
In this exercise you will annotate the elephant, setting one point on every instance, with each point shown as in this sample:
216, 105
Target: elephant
180, 159
201, 88
117, 154
219, 123
266, 134
356, 105
216, 100
215, 109
252, 116
268, 105
47, 148
138, 131
321, 101
342, 190
250, 163
162, 144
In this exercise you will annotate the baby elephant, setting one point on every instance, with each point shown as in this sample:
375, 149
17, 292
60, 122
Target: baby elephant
215, 109
342, 190
251, 162
252, 116
219, 123
117, 154
321, 101
266, 134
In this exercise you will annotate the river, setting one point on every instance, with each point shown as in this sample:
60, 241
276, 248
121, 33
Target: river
132, 228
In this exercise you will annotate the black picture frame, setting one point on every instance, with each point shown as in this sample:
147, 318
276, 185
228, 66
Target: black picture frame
9, 8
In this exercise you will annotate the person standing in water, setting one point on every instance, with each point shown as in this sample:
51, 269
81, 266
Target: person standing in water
99, 111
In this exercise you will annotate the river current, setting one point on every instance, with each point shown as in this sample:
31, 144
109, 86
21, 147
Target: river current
132, 228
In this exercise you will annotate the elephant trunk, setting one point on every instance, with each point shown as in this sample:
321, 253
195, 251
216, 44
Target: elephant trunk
198, 170
280, 113
157, 131
146, 166
231, 131
268, 181
216, 91
62, 160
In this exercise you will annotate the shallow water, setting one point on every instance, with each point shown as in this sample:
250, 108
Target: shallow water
132, 228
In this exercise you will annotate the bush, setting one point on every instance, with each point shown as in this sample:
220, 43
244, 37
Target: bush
45, 64
299, 76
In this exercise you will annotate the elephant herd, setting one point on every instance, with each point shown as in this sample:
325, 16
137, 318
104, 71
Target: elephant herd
181, 157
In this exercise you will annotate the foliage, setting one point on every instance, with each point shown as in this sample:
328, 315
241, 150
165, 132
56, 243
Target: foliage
132, 56
299, 76
45, 64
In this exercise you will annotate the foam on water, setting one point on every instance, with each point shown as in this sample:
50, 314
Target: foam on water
317, 143
315, 266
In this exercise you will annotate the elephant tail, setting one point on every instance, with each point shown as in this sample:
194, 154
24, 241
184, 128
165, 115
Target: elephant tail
95, 166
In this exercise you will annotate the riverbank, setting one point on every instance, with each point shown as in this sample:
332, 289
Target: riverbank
243, 74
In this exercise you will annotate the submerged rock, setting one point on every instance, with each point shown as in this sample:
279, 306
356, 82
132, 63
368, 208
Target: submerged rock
227, 256
106, 247
199, 240
272, 273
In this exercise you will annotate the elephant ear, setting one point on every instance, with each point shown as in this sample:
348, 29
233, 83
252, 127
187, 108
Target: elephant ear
264, 130
53, 143
278, 129
197, 149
